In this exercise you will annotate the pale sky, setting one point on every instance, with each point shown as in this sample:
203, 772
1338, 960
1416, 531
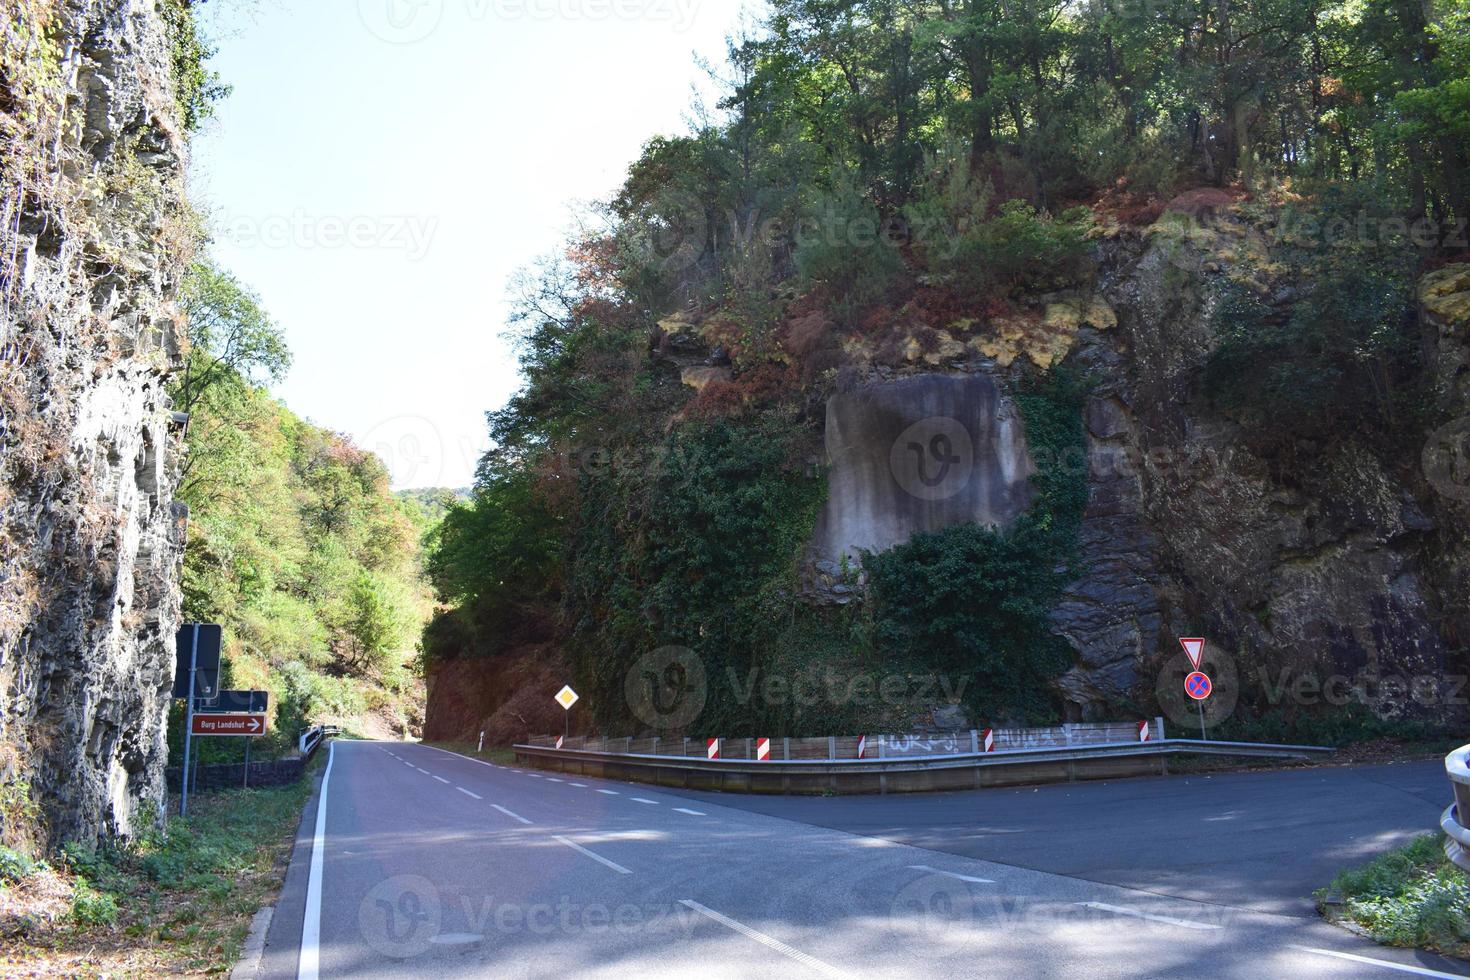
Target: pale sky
384, 166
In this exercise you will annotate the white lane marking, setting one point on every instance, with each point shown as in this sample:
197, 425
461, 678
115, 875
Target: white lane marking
1120, 910
825, 969
424, 771
513, 816
639, 799
553, 779
596, 857
1402, 967
951, 874
441, 779
468, 793
692, 813
534, 775
583, 785
609, 792
311, 926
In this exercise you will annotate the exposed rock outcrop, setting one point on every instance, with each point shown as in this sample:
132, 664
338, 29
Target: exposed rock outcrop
95, 237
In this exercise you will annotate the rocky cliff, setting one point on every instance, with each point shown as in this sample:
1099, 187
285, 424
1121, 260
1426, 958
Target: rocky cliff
92, 242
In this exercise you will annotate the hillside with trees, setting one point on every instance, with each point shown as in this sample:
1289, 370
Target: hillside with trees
297, 546
1166, 227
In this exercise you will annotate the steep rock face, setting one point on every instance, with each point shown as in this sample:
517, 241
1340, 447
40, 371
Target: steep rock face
917, 454
1355, 573
95, 235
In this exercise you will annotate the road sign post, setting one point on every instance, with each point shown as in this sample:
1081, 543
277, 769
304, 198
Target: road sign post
1198, 686
188, 721
566, 697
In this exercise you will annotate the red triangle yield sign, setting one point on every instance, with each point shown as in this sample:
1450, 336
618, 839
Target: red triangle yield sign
1194, 648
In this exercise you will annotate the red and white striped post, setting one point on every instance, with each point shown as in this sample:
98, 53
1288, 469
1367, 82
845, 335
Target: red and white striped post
862, 746
762, 749
989, 740
559, 740
712, 748
1143, 733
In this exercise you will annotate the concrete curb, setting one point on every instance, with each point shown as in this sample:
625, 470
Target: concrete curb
248, 966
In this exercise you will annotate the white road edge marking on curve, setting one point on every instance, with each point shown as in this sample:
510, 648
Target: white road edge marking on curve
468, 793
1404, 967
609, 792
441, 779
951, 874
692, 813
583, 785
639, 799
826, 969
553, 779
596, 857
309, 963
1120, 910
513, 816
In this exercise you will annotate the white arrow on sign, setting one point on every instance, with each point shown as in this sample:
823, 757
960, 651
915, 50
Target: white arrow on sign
1194, 648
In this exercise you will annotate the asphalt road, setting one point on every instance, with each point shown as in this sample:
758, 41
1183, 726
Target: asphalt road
428, 864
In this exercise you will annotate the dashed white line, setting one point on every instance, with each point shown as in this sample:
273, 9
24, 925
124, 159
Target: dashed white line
1120, 910
582, 785
609, 792
513, 816
596, 857
468, 793
951, 874
440, 778
826, 969
1402, 967
692, 813
553, 779
639, 799
424, 771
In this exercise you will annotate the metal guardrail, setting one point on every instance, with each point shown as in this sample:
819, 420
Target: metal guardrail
311, 738
1457, 836
898, 774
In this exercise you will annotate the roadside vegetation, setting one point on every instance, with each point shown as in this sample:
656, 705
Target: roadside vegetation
175, 901
296, 544
1413, 896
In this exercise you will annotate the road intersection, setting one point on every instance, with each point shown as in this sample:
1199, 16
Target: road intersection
427, 863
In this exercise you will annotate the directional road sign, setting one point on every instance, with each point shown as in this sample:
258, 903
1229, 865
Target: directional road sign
1197, 685
236, 724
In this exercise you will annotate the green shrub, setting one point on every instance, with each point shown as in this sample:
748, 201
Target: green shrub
1413, 896
842, 246
14, 865
90, 907
974, 601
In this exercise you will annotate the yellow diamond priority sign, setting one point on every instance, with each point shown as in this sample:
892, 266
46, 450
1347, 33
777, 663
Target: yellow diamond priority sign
566, 697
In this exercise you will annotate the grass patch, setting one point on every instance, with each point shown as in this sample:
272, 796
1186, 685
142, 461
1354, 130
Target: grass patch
493, 753
1413, 896
176, 901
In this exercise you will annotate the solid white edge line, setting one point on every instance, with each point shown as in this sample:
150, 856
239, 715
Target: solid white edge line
951, 874
692, 813
1404, 967
596, 857
513, 816
441, 779
1120, 910
309, 963
468, 793
825, 969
